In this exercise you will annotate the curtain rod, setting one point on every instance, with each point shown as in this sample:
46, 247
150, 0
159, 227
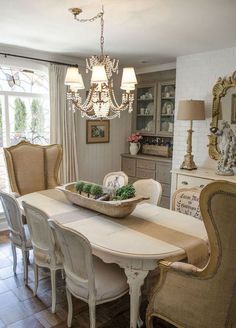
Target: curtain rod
38, 59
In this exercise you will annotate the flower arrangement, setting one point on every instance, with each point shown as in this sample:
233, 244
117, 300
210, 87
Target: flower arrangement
135, 137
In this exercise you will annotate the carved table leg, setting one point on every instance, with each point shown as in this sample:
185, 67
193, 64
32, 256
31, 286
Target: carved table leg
135, 279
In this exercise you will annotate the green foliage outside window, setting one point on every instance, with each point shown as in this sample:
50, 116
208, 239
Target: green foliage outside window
20, 115
37, 117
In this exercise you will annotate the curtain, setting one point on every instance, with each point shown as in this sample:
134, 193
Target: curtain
63, 124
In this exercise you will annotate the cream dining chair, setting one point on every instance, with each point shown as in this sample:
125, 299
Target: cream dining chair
19, 233
44, 248
115, 180
87, 277
186, 201
188, 296
32, 167
149, 188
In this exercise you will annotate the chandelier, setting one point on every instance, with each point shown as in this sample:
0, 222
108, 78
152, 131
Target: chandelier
100, 102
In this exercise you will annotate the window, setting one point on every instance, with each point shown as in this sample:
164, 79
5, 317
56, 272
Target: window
24, 110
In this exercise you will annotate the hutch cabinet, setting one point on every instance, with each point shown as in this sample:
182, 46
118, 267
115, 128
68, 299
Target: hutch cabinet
149, 167
154, 109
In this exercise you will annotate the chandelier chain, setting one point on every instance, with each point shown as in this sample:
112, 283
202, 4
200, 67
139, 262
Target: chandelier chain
102, 34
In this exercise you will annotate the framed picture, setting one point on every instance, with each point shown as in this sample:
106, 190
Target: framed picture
233, 109
97, 131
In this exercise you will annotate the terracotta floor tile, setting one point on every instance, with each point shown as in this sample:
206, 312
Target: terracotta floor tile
3, 287
48, 319
13, 313
23, 293
30, 322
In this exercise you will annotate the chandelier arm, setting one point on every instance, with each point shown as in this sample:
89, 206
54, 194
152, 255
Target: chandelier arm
114, 104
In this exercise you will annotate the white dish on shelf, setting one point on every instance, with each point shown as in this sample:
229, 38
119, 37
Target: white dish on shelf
167, 108
150, 109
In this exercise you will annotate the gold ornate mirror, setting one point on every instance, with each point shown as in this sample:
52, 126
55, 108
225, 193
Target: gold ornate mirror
223, 109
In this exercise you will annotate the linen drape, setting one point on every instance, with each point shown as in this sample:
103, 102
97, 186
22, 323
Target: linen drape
63, 124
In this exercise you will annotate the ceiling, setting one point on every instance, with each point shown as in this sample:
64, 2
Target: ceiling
153, 31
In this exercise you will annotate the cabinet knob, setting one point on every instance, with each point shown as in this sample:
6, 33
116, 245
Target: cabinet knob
184, 183
201, 186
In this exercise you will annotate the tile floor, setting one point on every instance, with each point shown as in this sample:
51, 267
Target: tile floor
19, 308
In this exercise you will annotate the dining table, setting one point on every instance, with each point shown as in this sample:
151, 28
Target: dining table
136, 242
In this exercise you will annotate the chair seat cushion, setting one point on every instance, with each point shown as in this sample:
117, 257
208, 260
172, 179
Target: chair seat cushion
110, 282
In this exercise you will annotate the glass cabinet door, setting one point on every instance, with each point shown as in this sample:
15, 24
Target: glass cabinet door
145, 119
167, 107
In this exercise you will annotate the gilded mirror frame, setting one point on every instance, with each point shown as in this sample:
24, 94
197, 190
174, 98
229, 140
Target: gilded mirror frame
219, 91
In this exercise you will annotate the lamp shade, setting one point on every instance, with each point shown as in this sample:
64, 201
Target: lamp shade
128, 76
99, 74
127, 87
191, 110
74, 78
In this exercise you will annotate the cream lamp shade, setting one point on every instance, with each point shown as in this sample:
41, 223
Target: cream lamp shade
191, 110
74, 78
99, 75
128, 79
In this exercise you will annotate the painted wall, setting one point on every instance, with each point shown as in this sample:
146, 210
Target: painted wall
195, 76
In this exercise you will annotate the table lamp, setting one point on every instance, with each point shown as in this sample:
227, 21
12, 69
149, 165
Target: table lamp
190, 110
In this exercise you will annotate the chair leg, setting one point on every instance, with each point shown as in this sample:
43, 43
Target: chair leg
25, 261
92, 314
36, 278
13, 247
28, 256
53, 283
70, 308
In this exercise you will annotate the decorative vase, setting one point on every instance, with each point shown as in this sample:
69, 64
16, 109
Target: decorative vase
134, 148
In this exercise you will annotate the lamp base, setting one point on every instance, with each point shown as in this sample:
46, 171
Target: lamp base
188, 163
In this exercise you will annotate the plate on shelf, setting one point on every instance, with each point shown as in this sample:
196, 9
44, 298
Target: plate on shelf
168, 91
167, 108
149, 109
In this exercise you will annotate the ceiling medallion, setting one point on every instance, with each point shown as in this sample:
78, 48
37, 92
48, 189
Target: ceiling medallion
101, 101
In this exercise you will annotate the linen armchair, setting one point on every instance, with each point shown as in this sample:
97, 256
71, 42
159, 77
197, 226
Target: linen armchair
187, 296
32, 167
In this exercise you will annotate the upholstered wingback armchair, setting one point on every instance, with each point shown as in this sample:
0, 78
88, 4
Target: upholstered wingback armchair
187, 296
32, 167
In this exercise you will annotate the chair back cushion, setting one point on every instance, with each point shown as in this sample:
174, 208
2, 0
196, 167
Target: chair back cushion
13, 216
32, 167
186, 201
115, 180
149, 188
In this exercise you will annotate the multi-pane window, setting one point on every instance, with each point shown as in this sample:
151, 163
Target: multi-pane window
24, 109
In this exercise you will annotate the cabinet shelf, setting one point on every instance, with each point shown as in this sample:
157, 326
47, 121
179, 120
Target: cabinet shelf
151, 99
167, 98
167, 114
143, 115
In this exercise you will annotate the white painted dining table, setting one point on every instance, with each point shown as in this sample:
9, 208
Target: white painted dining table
135, 242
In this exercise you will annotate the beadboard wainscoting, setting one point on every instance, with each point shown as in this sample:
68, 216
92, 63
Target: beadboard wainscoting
195, 77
